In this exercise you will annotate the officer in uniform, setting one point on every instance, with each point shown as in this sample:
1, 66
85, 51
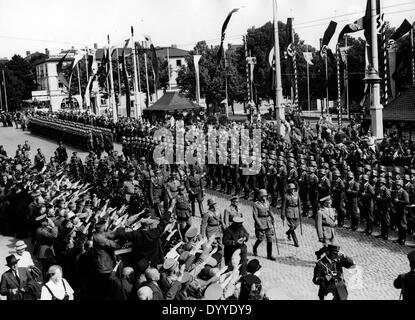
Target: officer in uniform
195, 189
401, 201
406, 281
264, 223
313, 190
410, 188
129, 187
352, 209
212, 222
328, 274
281, 179
367, 196
338, 188
383, 203
180, 205
303, 189
231, 212
157, 191
272, 181
291, 210
324, 186
326, 221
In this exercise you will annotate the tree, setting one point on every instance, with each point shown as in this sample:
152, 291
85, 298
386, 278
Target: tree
20, 81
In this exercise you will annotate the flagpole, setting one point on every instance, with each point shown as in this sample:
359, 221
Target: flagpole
1, 99
294, 57
137, 104
346, 76
139, 78
308, 85
79, 84
278, 83
376, 107
248, 89
196, 59
148, 87
168, 69
112, 99
413, 59
327, 84
119, 77
226, 84
87, 79
339, 107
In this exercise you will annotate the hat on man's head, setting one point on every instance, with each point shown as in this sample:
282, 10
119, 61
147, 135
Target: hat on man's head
211, 202
238, 220
20, 245
327, 198
213, 292
191, 233
333, 247
170, 264
142, 265
11, 260
180, 188
253, 266
183, 256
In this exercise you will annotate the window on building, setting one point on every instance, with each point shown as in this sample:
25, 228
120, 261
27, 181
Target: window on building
179, 63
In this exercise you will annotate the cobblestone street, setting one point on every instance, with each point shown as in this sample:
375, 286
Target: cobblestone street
380, 261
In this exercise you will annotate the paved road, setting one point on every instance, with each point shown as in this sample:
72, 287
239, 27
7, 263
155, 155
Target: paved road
380, 261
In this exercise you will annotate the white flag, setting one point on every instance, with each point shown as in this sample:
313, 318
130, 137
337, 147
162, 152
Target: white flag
343, 52
78, 57
308, 56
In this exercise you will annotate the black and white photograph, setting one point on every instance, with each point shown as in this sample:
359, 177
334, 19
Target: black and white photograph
219, 151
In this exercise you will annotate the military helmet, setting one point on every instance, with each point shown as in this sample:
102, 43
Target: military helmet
399, 183
368, 167
397, 170
374, 173
325, 165
350, 175
291, 186
382, 180
407, 177
322, 171
359, 169
303, 167
365, 177
336, 173
262, 193
382, 169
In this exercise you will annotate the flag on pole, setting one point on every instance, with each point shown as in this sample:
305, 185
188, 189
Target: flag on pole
308, 57
224, 26
78, 57
380, 23
351, 27
59, 69
290, 39
328, 34
404, 28
126, 83
154, 61
343, 52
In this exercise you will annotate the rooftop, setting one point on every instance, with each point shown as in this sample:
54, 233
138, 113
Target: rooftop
402, 108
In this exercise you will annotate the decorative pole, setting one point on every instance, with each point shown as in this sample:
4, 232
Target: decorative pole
112, 97
137, 103
339, 107
278, 84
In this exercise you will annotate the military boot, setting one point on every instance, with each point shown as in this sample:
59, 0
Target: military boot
257, 243
269, 252
295, 239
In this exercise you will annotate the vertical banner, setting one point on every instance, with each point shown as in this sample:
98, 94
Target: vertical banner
339, 106
392, 69
196, 59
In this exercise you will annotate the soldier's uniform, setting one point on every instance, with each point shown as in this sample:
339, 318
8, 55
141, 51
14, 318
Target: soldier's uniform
324, 186
401, 201
281, 179
328, 274
352, 194
313, 190
157, 191
406, 281
383, 202
272, 182
291, 210
367, 197
195, 189
326, 221
230, 239
212, 223
303, 189
130, 187
410, 212
264, 222
182, 210
338, 188
231, 212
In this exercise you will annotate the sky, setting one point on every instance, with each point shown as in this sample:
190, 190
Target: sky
33, 25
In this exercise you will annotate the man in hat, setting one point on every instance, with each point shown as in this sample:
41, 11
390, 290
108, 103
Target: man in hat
338, 188
291, 210
62, 155
328, 274
367, 196
181, 207
13, 281
383, 204
406, 281
130, 187
24, 257
352, 193
231, 212
264, 223
234, 238
400, 202
194, 186
46, 235
326, 221
157, 190
212, 222
40, 160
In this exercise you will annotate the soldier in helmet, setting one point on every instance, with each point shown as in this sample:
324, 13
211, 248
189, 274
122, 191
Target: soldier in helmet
181, 207
291, 210
264, 222
338, 189
367, 197
383, 203
157, 190
410, 214
324, 186
400, 202
313, 190
352, 193
303, 189
281, 179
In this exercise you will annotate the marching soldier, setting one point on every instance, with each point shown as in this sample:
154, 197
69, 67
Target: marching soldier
352, 209
401, 201
272, 182
303, 189
172, 186
234, 238
368, 193
212, 222
324, 186
157, 191
291, 210
410, 188
62, 154
281, 179
264, 223
328, 274
195, 189
231, 212
129, 187
326, 221
180, 205
313, 190
383, 203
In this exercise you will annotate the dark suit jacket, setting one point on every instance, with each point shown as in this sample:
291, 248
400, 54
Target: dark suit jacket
9, 282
